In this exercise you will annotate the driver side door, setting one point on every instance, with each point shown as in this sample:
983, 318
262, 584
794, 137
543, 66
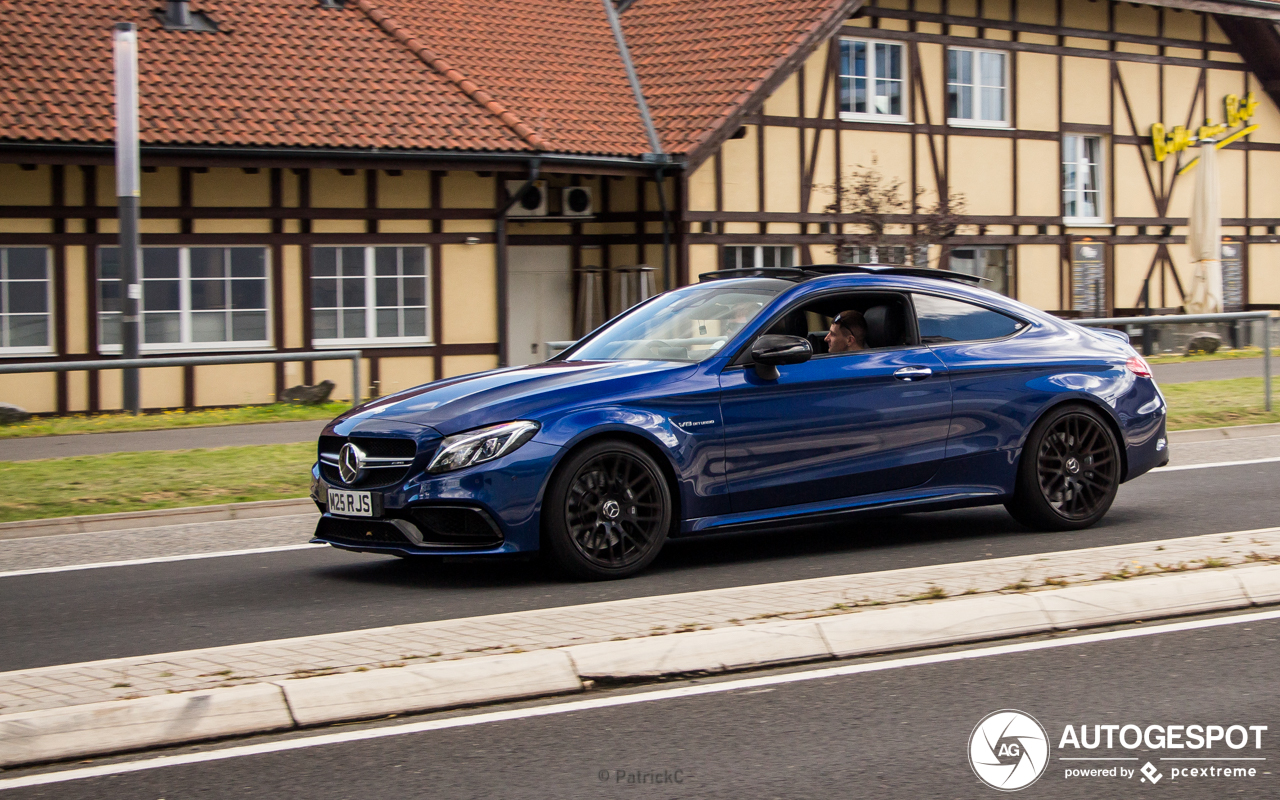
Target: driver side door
837, 426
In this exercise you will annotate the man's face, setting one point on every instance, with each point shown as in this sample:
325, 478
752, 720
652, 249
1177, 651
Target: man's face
839, 340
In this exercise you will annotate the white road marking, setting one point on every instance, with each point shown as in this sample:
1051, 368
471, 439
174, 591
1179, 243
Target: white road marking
1218, 464
160, 559
572, 706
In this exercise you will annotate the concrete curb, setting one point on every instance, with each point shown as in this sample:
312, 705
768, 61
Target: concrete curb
129, 520
110, 727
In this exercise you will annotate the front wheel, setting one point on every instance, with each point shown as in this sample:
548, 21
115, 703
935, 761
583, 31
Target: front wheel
607, 512
1069, 471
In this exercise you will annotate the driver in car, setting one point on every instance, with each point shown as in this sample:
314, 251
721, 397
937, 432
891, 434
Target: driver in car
848, 333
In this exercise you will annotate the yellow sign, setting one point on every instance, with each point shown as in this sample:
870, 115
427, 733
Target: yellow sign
1164, 142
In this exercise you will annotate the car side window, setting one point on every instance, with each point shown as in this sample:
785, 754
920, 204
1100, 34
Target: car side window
942, 320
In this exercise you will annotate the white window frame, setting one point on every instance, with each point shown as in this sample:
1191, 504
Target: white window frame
371, 302
48, 301
1005, 111
1101, 218
872, 116
758, 255
184, 307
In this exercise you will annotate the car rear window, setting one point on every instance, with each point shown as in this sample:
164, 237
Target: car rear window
942, 319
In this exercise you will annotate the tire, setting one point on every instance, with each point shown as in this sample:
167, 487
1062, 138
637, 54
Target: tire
1069, 471
607, 512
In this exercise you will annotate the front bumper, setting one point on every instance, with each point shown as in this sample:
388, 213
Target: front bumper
492, 508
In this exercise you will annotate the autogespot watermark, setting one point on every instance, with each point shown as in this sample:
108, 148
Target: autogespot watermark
1010, 750
640, 777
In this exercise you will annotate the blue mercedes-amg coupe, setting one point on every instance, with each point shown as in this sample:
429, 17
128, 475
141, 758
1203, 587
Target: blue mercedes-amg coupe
753, 399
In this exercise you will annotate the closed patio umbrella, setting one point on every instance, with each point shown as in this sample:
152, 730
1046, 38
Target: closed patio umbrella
1204, 296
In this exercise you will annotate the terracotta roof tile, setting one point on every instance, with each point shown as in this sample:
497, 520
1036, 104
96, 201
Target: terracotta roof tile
504, 75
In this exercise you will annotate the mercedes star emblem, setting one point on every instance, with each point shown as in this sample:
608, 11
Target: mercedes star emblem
350, 463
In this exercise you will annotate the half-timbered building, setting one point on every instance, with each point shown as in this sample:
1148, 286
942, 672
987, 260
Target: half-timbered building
329, 174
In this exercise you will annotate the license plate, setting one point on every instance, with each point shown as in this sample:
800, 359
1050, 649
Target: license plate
350, 504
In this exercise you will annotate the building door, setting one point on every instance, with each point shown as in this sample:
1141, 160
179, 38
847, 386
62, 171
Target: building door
539, 302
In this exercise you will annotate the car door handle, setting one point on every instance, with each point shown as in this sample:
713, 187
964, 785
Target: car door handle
912, 373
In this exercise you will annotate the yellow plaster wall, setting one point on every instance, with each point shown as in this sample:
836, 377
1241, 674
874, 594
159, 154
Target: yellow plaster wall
702, 258
1179, 89
468, 226
1266, 115
1142, 20
931, 61
1220, 83
813, 74
109, 391
1039, 275
702, 187
1139, 82
160, 188
77, 391
26, 187
1133, 192
331, 189
291, 273
1131, 264
160, 387
741, 192
36, 392
231, 226
1182, 25
469, 293
337, 226
26, 226
404, 226
466, 190
73, 179
1037, 12
1264, 273
289, 188
1037, 92
159, 226
409, 189
228, 186
824, 170
465, 365
1085, 87
396, 374
106, 186
782, 170
1039, 173
785, 100
1231, 182
1264, 199
77, 305
340, 373
236, 384
982, 171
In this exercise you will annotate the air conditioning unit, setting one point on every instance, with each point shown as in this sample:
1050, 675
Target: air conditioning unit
533, 203
577, 201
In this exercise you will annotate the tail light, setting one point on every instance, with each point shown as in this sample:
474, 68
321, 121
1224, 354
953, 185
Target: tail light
1138, 366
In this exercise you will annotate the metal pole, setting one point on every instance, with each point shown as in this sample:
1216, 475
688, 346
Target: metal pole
1266, 361
128, 192
355, 381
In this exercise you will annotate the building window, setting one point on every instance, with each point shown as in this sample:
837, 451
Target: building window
369, 294
871, 78
191, 296
977, 87
758, 256
991, 263
873, 254
1082, 177
24, 300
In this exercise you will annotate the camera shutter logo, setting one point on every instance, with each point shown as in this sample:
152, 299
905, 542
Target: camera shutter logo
350, 463
1008, 750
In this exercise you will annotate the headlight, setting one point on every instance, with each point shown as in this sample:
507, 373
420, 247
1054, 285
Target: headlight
486, 444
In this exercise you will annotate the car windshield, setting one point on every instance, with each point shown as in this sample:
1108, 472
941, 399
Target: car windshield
686, 325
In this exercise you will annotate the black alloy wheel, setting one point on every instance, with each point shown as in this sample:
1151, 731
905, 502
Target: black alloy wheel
609, 511
1069, 471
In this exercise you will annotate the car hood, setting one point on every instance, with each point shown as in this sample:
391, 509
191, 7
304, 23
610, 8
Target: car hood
531, 392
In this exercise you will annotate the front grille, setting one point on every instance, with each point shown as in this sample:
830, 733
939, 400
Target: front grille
373, 447
455, 526
356, 532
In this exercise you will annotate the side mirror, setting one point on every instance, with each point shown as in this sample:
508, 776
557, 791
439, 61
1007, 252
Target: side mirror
768, 352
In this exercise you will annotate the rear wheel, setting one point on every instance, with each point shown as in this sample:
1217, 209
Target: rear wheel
1069, 471
607, 512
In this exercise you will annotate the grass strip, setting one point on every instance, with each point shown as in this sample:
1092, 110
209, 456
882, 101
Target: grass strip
120, 421
1221, 355
102, 484
1213, 404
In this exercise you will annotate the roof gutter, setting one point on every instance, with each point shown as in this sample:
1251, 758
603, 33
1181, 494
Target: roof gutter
655, 146
107, 151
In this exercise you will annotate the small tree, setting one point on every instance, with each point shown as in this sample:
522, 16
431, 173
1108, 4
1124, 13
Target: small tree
868, 198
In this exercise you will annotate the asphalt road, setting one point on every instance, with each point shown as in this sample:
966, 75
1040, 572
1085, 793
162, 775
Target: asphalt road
124, 611
900, 732
1223, 369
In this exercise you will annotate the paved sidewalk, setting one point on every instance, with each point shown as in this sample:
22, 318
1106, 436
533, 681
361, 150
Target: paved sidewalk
362, 650
1222, 370
90, 444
